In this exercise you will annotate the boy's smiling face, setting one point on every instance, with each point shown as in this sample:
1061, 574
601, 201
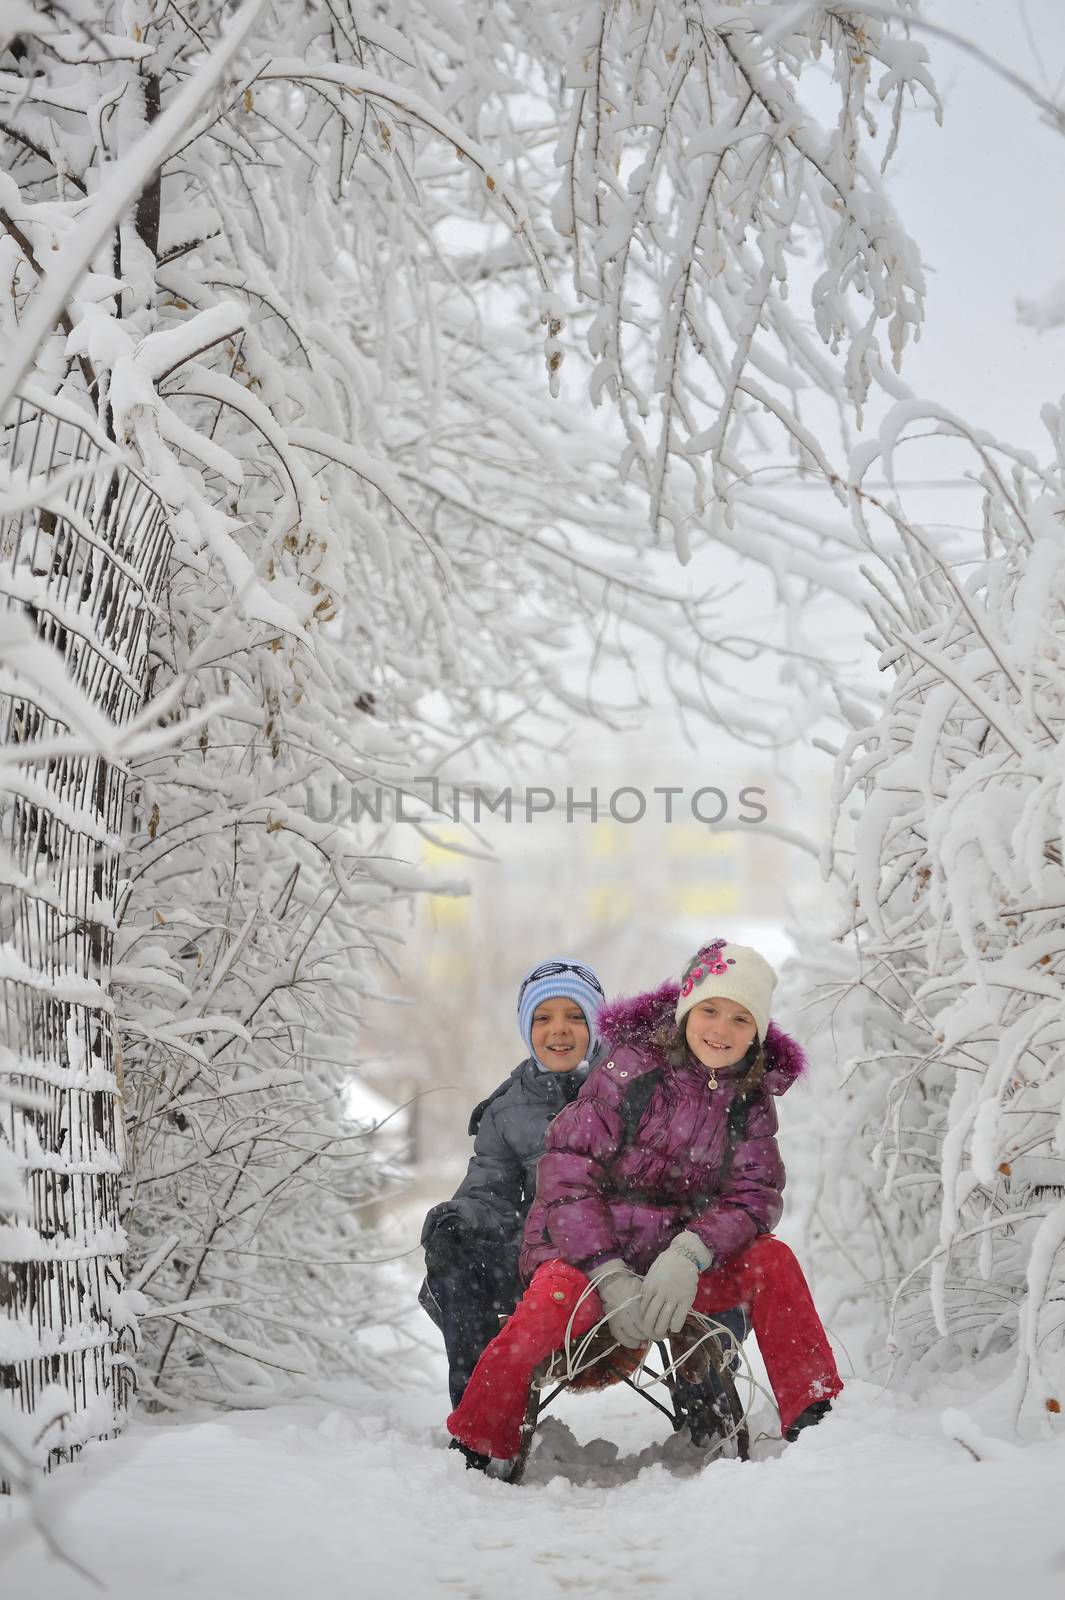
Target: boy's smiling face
560, 1036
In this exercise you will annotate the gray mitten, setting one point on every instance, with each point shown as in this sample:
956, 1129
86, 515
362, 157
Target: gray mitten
670, 1286
619, 1290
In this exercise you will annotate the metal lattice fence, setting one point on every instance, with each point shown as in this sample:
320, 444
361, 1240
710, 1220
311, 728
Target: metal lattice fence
82, 558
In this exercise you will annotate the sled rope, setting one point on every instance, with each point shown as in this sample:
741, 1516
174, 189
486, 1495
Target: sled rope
573, 1358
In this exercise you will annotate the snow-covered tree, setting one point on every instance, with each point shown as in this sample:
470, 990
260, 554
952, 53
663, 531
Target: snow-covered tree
332, 518
741, 257
326, 290
697, 168
957, 891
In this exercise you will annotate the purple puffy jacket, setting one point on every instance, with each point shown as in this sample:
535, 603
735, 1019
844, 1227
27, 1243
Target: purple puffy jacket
600, 1195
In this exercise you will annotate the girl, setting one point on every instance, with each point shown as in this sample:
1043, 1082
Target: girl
659, 1187
472, 1240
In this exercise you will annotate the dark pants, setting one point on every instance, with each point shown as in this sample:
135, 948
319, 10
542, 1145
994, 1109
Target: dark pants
473, 1282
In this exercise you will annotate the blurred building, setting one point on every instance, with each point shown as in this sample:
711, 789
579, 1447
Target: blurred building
633, 899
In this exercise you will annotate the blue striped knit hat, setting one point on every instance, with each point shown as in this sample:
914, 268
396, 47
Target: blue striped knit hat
562, 976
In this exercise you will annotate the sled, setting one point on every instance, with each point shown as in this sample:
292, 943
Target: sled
696, 1374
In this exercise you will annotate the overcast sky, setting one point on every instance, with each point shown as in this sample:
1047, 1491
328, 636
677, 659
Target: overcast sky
984, 196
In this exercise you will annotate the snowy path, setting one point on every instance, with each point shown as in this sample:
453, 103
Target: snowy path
357, 1496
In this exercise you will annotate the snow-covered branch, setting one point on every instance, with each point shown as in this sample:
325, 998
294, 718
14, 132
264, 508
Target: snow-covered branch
957, 888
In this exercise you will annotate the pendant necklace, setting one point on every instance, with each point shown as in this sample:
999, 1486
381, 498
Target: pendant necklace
711, 1082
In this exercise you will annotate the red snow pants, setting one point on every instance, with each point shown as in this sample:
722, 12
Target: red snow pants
765, 1279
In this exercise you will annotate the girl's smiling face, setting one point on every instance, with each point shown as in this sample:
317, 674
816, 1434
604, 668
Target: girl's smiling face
560, 1036
719, 1032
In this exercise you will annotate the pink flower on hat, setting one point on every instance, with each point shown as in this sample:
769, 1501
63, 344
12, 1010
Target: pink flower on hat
751, 980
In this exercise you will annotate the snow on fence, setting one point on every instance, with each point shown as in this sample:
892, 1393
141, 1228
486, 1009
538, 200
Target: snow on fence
84, 545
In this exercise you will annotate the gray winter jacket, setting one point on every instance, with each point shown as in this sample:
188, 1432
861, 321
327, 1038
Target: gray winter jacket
508, 1127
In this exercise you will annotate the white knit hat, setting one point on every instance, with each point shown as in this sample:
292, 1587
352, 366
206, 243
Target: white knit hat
732, 972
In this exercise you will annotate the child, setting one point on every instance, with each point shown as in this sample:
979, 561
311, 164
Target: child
472, 1240
659, 1187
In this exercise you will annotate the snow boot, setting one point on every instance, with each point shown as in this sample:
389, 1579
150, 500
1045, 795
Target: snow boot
808, 1419
474, 1460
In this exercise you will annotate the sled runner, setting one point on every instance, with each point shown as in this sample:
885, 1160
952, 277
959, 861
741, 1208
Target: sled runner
695, 1372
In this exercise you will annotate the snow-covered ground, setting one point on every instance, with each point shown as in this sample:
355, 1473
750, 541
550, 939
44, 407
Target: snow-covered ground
353, 1493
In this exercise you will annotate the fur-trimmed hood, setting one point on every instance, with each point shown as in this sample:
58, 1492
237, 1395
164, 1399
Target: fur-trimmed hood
634, 1020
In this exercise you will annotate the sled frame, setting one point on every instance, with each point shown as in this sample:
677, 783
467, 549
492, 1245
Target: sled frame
689, 1362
